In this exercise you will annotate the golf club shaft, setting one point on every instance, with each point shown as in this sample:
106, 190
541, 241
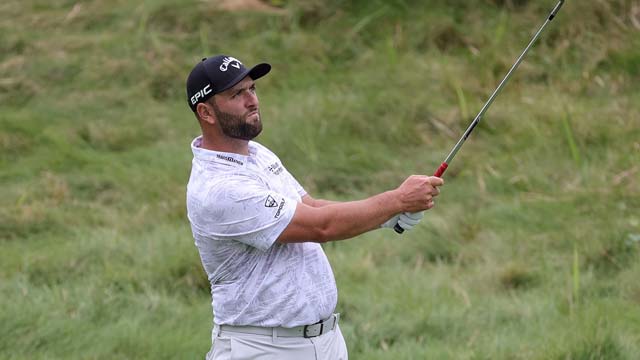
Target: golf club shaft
443, 167
486, 106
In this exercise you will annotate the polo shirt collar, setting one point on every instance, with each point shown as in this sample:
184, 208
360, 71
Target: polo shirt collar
222, 158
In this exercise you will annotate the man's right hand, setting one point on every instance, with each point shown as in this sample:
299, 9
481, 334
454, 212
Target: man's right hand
417, 192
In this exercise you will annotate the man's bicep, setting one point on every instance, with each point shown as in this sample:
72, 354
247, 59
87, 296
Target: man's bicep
307, 225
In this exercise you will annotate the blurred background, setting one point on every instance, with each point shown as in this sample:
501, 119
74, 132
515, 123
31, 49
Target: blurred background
532, 251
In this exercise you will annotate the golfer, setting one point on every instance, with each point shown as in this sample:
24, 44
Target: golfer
258, 232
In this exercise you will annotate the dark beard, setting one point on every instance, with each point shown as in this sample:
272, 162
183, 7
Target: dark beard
235, 126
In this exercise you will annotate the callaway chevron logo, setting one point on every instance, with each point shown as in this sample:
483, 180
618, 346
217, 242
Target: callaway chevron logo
229, 60
270, 202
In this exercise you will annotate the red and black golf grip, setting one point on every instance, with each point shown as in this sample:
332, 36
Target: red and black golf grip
443, 167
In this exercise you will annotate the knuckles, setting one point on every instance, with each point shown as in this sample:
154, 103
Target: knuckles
420, 191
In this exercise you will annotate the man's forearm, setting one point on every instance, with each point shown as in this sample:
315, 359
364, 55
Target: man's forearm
349, 219
316, 203
322, 221
321, 202
340, 220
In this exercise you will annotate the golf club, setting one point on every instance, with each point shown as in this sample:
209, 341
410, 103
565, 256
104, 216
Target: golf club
445, 164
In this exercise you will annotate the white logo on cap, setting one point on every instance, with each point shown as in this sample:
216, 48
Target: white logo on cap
200, 94
230, 61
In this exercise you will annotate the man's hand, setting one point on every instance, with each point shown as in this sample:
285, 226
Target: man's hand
417, 192
406, 220
409, 220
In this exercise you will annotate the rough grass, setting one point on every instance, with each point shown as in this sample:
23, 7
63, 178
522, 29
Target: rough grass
531, 253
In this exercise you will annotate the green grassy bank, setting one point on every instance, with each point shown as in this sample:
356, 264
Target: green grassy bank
532, 251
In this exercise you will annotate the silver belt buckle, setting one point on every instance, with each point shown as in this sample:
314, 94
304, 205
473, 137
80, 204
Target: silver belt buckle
305, 330
331, 321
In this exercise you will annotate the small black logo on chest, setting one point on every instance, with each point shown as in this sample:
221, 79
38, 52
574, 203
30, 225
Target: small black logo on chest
275, 168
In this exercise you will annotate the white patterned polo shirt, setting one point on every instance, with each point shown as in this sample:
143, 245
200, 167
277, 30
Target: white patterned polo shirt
238, 206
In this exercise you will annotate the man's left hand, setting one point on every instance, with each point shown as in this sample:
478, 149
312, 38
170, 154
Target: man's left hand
406, 220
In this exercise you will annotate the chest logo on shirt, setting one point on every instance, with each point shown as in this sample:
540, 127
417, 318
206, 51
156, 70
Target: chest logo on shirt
270, 202
275, 168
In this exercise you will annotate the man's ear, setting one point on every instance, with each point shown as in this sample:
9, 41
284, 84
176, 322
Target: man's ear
205, 113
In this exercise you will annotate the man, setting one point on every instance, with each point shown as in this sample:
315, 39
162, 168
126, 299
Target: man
259, 233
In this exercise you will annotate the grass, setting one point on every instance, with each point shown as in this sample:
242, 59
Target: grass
531, 253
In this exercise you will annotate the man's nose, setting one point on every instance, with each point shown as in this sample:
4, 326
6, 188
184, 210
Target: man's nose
251, 100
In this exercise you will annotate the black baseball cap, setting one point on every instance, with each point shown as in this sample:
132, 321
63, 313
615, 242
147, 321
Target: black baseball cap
216, 74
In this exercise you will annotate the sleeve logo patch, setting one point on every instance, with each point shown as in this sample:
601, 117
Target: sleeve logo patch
279, 209
270, 202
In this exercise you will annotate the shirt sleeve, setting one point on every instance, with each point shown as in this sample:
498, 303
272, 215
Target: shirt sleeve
249, 213
299, 189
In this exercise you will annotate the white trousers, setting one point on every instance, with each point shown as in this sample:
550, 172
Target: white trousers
240, 346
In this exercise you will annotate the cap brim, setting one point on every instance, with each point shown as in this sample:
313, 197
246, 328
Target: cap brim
255, 73
259, 71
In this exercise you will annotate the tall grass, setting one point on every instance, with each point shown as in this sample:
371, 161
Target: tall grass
575, 153
530, 253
